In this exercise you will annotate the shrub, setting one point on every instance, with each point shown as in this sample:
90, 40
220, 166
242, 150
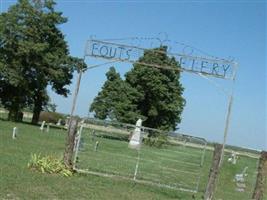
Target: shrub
158, 141
48, 164
50, 117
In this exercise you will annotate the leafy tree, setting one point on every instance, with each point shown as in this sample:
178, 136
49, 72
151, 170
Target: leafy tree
50, 107
117, 100
33, 55
162, 102
151, 93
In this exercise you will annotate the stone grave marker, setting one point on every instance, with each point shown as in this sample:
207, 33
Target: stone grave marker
14, 134
240, 180
42, 126
233, 158
96, 146
59, 122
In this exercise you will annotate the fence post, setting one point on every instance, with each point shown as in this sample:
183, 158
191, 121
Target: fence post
261, 177
70, 139
214, 172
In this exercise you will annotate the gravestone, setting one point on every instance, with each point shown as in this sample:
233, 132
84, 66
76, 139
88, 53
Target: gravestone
240, 181
96, 146
59, 122
240, 178
240, 187
233, 158
135, 141
42, 126
14, 134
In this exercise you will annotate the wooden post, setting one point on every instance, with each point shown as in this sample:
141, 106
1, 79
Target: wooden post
214, 172
261, 183
70, 139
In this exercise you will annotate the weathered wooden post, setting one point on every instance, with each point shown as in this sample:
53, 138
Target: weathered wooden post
214, 172
261, 183
70, 140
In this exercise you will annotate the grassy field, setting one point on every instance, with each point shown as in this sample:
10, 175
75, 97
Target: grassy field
18, 182
173, 166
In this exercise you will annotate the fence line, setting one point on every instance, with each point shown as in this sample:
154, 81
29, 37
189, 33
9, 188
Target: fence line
170, 165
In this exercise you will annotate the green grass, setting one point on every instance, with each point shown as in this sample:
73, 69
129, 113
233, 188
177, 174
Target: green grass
175, 166
19, 182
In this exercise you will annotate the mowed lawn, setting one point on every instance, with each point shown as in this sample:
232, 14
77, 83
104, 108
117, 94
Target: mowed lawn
19, 182
173, 166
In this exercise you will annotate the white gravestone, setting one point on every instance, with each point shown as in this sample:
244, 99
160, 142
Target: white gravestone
135, 141
96, 146
14, 134
240, 180
233, 158
42, 126
240, 187
241, 177
59, 122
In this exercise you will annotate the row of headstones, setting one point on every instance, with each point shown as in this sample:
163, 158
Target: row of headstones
42, 127
15, 129
239, 179
48, 124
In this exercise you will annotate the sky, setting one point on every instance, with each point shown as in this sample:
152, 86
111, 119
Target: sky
222, 28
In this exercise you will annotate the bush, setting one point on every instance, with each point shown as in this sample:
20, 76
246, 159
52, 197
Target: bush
50, 117
158, 141
48, 164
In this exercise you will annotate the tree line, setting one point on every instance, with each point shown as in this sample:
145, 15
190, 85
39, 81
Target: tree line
33, 55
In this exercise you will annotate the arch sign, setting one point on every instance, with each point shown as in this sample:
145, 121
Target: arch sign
201, 65
215, 67
188, 62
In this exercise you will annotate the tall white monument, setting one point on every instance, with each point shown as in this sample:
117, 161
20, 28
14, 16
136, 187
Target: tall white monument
136, 138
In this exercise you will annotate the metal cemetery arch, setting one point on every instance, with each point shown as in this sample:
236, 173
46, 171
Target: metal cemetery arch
191, 60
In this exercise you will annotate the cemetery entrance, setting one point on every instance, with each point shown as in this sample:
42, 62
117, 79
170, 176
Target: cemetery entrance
102, 147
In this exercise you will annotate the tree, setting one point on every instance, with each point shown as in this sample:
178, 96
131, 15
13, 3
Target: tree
33, 55
162, 102
117, 100
150, 93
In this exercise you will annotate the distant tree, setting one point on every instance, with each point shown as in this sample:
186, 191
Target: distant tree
33, 55
117, 100
162, 102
